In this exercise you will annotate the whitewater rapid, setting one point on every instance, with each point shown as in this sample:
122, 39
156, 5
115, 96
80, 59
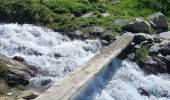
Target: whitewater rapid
55, 55
124, 80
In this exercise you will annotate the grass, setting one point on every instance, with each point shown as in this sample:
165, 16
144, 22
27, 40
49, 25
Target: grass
141, 54
3, 70
65, 15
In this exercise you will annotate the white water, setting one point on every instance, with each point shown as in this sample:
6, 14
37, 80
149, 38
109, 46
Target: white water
22, 40
123, 83
120, 81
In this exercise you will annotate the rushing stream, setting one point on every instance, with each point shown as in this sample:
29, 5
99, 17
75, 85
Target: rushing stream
56, 55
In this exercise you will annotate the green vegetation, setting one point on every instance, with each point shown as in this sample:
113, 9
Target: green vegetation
141, 54
3, 70
64, 15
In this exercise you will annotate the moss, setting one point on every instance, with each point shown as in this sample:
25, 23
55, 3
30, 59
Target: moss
141, 54
3, 70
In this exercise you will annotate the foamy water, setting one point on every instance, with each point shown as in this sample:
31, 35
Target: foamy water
126, 82
57, 55
54, 54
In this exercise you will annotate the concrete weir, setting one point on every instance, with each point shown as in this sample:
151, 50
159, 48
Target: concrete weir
79, 79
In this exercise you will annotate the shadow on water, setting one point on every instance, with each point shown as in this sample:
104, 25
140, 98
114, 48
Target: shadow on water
99, 82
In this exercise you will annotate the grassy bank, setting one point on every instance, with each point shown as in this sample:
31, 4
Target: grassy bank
64, 15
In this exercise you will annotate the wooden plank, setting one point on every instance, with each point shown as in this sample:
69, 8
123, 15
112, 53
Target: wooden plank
79, 79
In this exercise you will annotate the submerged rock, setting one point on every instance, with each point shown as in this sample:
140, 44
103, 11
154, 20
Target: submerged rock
17, 58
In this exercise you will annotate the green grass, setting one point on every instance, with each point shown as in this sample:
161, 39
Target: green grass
3, 70
141, 54
64, 15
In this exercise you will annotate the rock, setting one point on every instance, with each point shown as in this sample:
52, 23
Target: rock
143, 92
104, 42
17, 58
56, 55
9, 94
168, 63
108, 36
29, 94
105, 14
45, 82
159, 21
88, 15
115, 1
131, 56
18, 73
155, 66
138, 25
28, 51
96, 30
139, 38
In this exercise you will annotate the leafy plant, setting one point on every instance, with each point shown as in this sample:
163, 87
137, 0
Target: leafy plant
142, 53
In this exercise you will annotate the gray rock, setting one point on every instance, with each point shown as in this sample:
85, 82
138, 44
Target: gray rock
168, 63
17, 58
131, 56
140, 37
28, 95
139, 25
155, 66
18, 73
96, 30
88, 15
105, 14
159, 21
108, 36
115, 1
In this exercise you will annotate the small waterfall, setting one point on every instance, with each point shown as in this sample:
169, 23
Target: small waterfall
55, 55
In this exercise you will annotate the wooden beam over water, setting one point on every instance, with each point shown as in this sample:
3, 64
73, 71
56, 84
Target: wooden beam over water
79, 79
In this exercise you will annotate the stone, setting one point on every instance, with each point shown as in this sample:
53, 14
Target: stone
168, 63
105, 14
159, 21
45, 82
9, 94
143, 92
115, 1
155, 66
140, 37
28, 94
108, 36
96, 30
88, 15
138, 25
18, 73
56, 55
17, 58
131, 56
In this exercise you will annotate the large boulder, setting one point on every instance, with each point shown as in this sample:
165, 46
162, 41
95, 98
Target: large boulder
138, 25
18, 73
159, 21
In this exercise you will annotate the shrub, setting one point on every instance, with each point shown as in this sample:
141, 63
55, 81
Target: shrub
141, 54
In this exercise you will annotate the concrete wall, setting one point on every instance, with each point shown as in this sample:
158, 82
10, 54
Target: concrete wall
79, 79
